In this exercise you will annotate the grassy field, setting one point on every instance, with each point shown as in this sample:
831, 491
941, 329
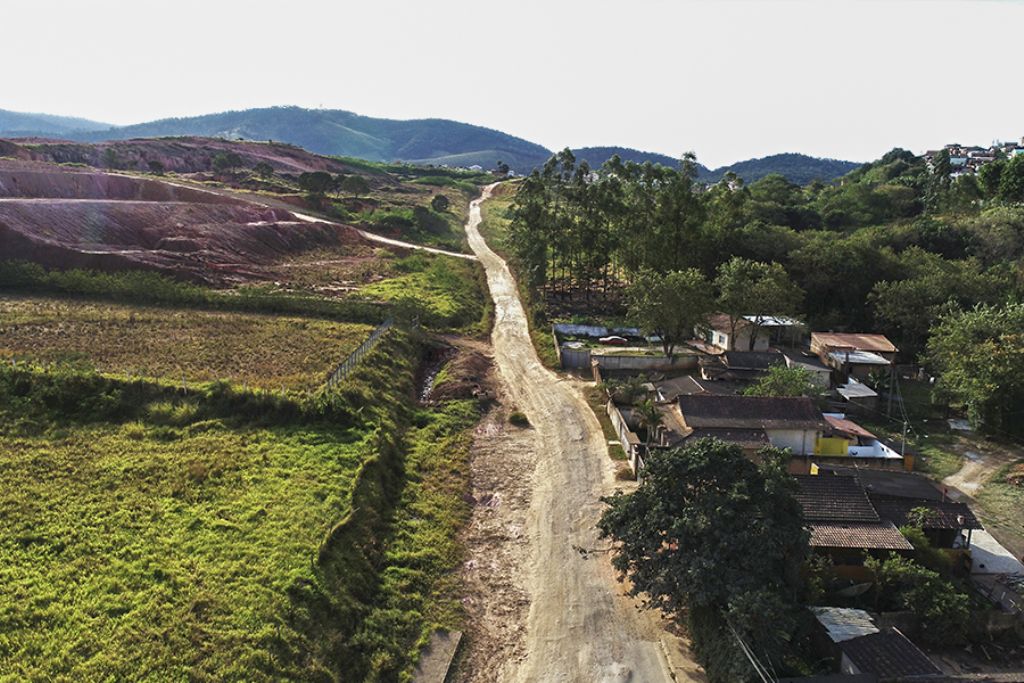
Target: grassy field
138, 551
273, 352
147, 534
446, 292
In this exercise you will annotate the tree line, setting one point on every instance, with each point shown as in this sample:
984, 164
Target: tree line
893, 247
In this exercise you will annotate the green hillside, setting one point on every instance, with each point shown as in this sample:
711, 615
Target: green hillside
797, 168
343, 133
18, 124
429, 142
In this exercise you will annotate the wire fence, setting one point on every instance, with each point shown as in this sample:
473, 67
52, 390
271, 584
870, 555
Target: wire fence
349, 364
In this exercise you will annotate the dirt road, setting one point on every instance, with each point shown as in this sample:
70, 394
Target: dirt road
580, 626
981, 462
305, 217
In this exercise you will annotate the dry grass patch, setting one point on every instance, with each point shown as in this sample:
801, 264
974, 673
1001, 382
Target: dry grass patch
274, 352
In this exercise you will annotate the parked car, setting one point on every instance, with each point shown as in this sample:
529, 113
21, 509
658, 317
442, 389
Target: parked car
614, 340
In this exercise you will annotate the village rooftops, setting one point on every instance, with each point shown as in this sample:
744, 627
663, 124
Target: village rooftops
854, 389
773, 321
876, 343
840, 515
833, 498
752, 360
936, 514
889, 655
702, 411
744, 438
841, 425
858, 536
721, 321
888, 482
855, 357
844, 623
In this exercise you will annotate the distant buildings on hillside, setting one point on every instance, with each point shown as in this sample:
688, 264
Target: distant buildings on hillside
965, 160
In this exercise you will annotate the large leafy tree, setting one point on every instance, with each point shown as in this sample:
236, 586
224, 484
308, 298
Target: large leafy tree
781, 380
756, 290
1011, 181
979, 355
711, 536
908, 307
670, 305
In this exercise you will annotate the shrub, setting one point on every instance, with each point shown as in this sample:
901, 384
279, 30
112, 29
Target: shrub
901, 583
518, 419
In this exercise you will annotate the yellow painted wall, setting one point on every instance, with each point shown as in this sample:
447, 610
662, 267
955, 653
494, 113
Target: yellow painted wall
832, 446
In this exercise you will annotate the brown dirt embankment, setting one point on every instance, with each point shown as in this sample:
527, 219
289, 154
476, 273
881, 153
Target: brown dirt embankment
64, 218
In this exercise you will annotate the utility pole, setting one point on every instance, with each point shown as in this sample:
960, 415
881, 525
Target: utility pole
903, 445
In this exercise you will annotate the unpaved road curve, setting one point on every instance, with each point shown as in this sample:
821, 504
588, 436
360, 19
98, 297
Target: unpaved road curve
580, 625
387, 240
264, 201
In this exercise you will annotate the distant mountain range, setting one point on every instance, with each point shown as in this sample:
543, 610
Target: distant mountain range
16, 124
420, 141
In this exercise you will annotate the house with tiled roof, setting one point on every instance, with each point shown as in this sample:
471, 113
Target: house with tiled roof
853, 354
844, 524
794, 423
750, 422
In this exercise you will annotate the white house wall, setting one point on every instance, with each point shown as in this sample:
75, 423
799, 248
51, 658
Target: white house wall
799, 441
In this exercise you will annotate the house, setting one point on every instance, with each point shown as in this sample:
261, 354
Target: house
720, 335
821, 374
858, 396
854, 354
845, 439
844, 525
905, 497
947, 524
750, 422
888, 654
740, 366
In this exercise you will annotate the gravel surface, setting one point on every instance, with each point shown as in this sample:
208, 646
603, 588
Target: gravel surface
538, 511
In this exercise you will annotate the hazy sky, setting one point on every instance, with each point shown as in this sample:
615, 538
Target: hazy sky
728, 80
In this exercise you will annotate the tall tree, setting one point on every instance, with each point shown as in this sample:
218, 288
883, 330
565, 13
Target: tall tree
1011, 181
979, 355
713, 538
752, 291
670, 306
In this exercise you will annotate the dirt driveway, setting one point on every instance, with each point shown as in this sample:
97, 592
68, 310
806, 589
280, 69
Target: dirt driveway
579, 625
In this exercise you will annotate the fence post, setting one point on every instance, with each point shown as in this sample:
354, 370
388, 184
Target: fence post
346, 366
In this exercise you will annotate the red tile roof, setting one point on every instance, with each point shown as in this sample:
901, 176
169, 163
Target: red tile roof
858, 536
850, 427
829, 498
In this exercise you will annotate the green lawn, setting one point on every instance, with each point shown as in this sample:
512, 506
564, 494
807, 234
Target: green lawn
141, 551
447, 292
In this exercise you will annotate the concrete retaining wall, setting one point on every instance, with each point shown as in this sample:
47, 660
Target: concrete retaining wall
626, 362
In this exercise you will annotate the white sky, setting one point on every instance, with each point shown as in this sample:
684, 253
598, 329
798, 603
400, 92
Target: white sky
729, 80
